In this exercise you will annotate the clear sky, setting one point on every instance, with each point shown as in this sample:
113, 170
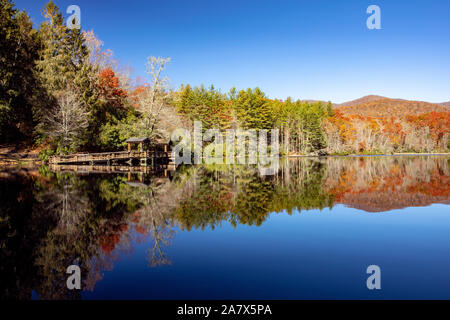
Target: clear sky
307, 49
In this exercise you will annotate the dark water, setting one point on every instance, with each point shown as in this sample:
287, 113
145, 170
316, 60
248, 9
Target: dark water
225, 232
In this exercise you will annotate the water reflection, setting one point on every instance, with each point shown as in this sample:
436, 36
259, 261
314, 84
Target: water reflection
50, 220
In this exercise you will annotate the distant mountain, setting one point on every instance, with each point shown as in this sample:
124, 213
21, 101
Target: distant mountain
364, 99
379, 106
386, 107
314, 101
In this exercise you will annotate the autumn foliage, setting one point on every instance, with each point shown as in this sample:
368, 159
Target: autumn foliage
390, 107
374, 185
109, 87
437, 122
137, 93
111, 237
388, 125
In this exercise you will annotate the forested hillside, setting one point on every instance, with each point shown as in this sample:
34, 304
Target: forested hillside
386, 107
446, 104
364, 99
62, 92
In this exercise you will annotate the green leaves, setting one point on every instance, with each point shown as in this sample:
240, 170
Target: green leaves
253, 110
300, 122
206, 105
19, 89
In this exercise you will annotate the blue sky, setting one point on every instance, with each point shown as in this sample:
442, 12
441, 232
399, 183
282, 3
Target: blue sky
306, 49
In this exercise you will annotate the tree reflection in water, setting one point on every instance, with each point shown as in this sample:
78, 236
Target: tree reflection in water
49, 221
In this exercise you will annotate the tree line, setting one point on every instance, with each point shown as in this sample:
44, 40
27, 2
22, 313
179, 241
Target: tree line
62, 92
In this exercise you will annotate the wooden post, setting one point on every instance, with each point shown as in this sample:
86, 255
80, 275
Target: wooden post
129, 147
141, 149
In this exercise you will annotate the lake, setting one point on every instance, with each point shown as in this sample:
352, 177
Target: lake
226, 232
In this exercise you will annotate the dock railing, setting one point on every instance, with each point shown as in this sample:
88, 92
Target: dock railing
106, 156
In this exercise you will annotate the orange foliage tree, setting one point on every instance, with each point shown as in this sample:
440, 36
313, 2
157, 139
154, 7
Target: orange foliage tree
437, 122
109, 87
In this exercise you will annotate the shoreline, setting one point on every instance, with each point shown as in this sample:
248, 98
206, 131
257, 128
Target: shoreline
366, 155
23, 161
20, 163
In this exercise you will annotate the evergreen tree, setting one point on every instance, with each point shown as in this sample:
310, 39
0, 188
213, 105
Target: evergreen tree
55, 65
19, 90
253, 110
206, 105
185, 99
64, 64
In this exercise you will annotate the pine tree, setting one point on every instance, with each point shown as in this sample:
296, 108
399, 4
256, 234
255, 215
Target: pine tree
8, 43
206, 105
253, 110
55, 66
64, 64
19, 90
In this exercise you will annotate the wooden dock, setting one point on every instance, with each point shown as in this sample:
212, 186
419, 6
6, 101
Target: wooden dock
110, 169
141, 158
135, 173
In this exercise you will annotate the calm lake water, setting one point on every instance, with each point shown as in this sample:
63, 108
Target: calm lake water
226, 232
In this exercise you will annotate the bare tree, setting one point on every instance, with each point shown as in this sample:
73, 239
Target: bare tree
153, 100
97, 56
68, 119
103, 58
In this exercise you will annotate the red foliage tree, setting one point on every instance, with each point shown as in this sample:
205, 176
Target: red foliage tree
109, 87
